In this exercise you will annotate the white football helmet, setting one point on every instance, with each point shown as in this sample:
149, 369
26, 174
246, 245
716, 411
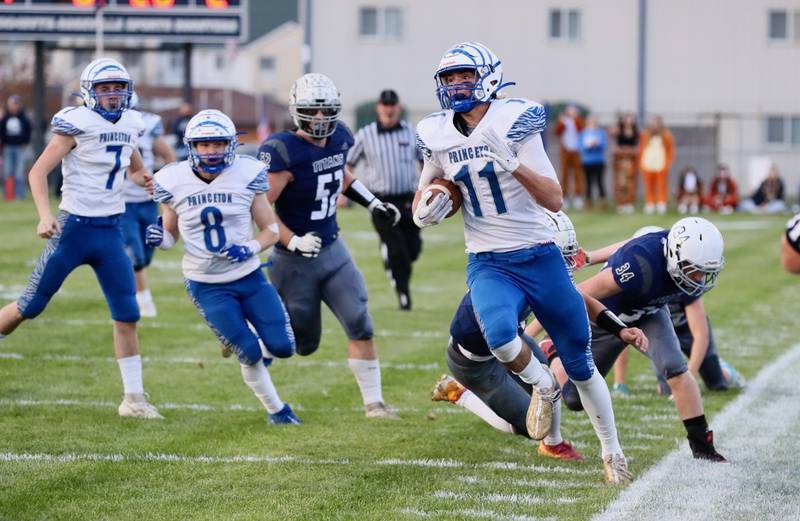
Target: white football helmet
694, 255
312, 93
488, 76
566, 238
644, 230
210, 125
106, 70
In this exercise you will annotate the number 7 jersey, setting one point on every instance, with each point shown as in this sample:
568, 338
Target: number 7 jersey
499, 213
94, 171
213, 216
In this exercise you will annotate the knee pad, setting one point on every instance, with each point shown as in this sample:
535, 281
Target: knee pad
498, 325
571, 397
576, 354
507, 352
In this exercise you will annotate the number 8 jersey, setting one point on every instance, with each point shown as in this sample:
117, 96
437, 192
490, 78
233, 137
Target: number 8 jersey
213, 215
94, 171
308, 202
499, 213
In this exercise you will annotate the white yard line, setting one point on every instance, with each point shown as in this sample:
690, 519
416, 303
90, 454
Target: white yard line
470, 514
299, 362
205, 407
155, 457
757, 432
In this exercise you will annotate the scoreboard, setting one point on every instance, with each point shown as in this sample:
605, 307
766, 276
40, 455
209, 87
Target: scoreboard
179, 21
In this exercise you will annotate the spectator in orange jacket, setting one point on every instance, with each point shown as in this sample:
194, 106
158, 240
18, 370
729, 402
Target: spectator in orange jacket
656, 152
568, 129
723, 194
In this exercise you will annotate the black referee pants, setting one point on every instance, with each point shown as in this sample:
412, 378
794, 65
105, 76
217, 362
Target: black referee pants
401, 244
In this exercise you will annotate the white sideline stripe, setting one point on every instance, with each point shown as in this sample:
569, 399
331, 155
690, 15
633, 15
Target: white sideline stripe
524, 499
757, 432
403, 366
28, 402
471, 514
72, 457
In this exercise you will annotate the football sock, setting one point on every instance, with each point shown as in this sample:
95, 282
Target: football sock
535, 375
144, 295
597, 403
257, 378
131, 369
475, 405
696, 428
368, 376
554, 436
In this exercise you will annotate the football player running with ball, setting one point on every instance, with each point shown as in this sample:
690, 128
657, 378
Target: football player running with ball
211, 199
96, 144
492, 149
311, 263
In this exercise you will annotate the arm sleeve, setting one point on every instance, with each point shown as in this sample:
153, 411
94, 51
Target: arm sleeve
158, 129
533, 155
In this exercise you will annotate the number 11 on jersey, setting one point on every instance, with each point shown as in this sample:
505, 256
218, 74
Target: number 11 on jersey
494, 185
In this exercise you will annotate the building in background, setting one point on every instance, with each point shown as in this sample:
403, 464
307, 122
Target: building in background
723, 74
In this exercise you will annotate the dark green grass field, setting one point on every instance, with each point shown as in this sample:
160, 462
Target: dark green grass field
65, 454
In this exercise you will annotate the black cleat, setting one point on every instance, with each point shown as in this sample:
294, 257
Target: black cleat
705, 449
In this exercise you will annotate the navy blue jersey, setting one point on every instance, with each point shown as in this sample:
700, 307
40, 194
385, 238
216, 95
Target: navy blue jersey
466, 331
308, 203
640, 269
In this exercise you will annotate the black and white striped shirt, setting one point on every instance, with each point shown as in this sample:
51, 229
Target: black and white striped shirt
392, 158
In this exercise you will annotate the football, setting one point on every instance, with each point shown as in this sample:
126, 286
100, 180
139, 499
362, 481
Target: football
448, 188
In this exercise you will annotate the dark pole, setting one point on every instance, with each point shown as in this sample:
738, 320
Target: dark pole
641, 73
307, 36
39, 90
187, 72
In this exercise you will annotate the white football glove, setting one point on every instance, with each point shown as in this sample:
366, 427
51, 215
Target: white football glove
499, 151
308, 245
433, 207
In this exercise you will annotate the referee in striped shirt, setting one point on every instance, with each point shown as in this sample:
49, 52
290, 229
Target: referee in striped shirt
390, 170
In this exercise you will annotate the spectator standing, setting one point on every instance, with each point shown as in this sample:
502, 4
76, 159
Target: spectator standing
690, 191
627, 142
15, 135
593, 144
769, 196
391, 164
723, 194
185, 113
568, 130
656, 152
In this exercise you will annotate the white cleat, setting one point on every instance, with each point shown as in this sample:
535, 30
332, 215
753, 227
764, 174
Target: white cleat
147, 308
615, 469
540, 411
379, 410
137, 406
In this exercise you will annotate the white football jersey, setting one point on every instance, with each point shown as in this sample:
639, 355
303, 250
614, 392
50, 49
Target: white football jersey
213, 215
153, 129
95, 170
499, 213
